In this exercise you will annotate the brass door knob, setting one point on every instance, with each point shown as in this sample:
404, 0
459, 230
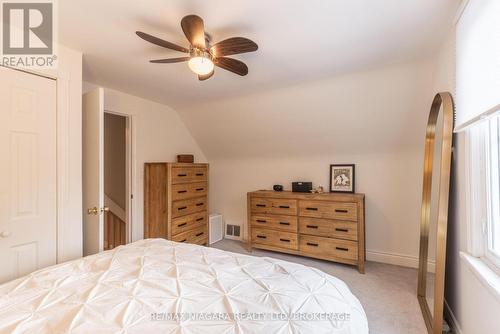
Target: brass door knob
93, 211
104, 209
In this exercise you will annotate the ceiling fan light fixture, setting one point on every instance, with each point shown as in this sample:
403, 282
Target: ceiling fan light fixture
201, 65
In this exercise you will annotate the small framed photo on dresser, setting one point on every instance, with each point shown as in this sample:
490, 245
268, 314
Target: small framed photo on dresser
342, 178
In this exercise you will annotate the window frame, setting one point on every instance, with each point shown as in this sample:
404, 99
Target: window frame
479, 192
493, 190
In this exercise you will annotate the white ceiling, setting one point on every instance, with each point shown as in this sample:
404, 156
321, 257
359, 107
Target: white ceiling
299, 40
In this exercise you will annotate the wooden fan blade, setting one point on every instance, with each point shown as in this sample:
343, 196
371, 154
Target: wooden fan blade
232, 46
194, 29
170, 60
206, 76
161, 42
232, 65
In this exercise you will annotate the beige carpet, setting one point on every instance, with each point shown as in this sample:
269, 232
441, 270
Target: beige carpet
387, 292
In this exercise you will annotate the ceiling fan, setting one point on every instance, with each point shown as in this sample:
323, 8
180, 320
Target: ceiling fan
202, 55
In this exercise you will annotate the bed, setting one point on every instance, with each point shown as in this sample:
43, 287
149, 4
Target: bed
155, 285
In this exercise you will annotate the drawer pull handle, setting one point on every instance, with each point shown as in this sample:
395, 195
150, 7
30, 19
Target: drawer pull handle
201, 233
284, 223
199, 219
312, 209
200, 189
183, 224
284, 207
341, 210
285, 240
311, 226
261, 221
342, 249
342, 230
199, 204
312, 244
182, 191
181, 175
261, 205
199, 174
182, 208
183, 240
261, 237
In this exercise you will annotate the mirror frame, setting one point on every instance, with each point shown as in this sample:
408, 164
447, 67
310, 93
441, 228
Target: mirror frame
434, 321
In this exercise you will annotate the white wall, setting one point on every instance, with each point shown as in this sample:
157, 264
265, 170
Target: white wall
472, 306
375, 119
159, 136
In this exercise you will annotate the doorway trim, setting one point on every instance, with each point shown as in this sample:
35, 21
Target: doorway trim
130, 170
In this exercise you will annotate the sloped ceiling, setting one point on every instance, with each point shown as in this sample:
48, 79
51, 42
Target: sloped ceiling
299, 40
370, 112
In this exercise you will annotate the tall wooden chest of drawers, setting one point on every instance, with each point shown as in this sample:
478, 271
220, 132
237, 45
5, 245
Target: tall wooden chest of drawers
176, 202
329, 226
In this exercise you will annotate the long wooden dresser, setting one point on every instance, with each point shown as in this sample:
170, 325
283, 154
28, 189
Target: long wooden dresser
176, 202
329, 226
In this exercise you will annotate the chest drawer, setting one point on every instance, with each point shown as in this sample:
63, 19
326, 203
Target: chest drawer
330, 210
274, 205
329, 228
188, 206
188, 190
189, 222
275, 222
189, 174
328, 248
274, 238
197, 236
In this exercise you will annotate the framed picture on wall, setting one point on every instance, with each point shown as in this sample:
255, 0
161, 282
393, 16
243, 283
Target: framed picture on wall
342, 178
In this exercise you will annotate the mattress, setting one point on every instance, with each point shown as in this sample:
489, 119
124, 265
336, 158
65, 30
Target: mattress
155, 285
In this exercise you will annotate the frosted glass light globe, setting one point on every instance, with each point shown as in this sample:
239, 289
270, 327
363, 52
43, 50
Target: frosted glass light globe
201, 65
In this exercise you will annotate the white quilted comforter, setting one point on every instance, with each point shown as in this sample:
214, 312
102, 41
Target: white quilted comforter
158, 286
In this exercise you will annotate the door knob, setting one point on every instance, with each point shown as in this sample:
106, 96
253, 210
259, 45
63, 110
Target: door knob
93, 211
5, 234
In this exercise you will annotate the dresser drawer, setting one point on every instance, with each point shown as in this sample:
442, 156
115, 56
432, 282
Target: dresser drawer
188, 206
195, 236
189, 174
275, 222
274, 238
189, 222
329, 228
328, 248
188, 190
330, 210
274, 206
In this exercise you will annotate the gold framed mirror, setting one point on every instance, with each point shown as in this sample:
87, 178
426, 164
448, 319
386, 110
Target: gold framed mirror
434, 216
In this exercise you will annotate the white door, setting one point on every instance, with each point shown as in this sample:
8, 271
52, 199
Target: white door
93, 172
27, 173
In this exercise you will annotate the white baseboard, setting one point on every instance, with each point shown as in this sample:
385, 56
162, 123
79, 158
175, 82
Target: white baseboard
397, 259
450, 317
232, 237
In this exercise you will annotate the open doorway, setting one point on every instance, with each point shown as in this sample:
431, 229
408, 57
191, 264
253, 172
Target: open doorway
116, 180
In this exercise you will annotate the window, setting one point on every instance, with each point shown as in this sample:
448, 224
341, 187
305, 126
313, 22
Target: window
492, 226
478, 115
483, 183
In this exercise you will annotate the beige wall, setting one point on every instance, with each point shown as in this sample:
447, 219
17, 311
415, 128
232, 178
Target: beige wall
375, 119
115, 128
